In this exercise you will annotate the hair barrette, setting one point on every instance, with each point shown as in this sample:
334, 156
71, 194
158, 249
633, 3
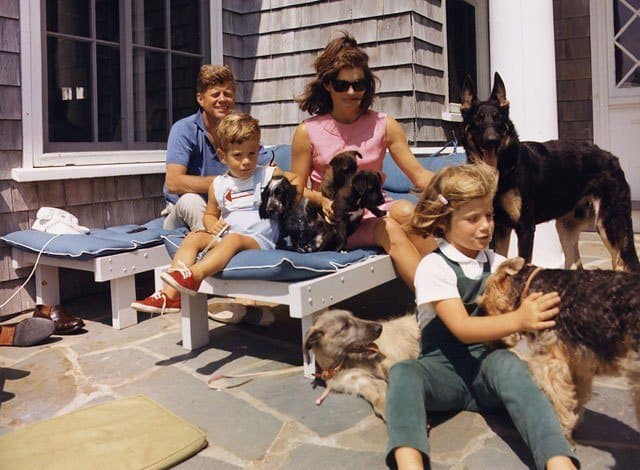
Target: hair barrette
443, 199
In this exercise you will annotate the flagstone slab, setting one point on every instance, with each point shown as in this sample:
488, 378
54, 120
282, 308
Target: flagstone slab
495, 454
104, 336
453, 432
116, 366
49, 386
311, 457
609, 417
295, 396
229, 422
204, 463
229, 348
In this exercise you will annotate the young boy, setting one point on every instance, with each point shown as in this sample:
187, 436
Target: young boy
231, 220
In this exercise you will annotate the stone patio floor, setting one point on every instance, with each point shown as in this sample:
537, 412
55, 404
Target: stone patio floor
272, 422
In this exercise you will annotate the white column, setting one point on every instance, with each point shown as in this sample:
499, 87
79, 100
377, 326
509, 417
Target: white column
523, 53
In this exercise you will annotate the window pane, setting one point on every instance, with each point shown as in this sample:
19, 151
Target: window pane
68, 16
627, 46
149, 93
184, 74
69, 90
461, 46
109, 113
148, 22
107, 20
185, 25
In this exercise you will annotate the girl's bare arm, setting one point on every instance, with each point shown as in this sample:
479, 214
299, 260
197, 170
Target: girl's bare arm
535, 313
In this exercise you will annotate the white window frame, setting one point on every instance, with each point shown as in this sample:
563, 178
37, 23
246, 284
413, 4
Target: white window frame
38, 165
452, 106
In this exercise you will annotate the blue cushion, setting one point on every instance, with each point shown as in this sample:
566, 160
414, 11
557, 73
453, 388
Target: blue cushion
98, 242
397, 182
396, 185
282, 265
281, 156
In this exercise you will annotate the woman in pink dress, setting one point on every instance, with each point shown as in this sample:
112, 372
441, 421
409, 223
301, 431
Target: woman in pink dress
339, 99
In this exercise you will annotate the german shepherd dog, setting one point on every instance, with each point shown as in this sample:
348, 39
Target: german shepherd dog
574, 183
598, 325
355, 355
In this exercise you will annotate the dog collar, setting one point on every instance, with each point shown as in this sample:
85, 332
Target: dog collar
330, 372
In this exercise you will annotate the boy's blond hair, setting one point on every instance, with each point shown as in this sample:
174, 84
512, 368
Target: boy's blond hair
212, 75
237, 128
449, 189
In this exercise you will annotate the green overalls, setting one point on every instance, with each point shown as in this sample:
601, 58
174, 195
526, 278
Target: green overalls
450, 375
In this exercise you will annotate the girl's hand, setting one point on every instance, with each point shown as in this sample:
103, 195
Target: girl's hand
537, 310
327, 209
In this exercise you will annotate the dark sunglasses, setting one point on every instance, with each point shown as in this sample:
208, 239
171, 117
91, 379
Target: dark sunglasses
343, 85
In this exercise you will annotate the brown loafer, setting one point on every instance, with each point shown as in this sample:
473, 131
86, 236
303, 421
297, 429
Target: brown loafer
27, 332
65, 322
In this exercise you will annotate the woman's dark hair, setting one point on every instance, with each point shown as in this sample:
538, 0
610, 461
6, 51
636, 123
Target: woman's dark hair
342, 52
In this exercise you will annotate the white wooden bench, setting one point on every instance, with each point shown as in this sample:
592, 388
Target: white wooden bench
118, 269
304, 298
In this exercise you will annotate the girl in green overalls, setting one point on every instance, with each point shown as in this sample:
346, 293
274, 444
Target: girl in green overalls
455, 371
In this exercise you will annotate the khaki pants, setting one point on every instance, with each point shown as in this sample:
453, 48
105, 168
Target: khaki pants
186, 212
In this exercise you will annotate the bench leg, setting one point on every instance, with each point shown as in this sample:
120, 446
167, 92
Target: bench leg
195, 324
123, 292
158, 284
309, 367
47, 285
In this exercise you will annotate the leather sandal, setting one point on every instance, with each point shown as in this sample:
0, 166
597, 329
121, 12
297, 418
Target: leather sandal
65, 322
27, 332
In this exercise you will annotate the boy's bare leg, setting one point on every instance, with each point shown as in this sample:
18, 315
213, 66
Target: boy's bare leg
217, 258
187, 253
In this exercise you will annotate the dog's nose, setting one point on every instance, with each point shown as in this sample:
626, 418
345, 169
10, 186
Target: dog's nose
491, 137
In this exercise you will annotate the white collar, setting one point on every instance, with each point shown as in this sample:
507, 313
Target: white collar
456, 255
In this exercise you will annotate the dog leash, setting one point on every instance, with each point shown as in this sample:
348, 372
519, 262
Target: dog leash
218, 382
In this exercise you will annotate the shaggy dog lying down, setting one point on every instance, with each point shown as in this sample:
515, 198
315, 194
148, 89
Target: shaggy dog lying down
598, 325
355, 355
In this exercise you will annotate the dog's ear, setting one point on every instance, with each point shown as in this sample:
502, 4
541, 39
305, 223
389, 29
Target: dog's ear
499, 93
512, 266
312, 337
264, 198
291, 193
468, 94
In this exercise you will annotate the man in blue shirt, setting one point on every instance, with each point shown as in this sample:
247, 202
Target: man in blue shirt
192, 161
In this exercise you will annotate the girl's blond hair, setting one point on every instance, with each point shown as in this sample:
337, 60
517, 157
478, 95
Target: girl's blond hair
449, 189
237, 128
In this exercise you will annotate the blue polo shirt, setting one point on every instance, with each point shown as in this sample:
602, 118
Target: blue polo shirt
188, 146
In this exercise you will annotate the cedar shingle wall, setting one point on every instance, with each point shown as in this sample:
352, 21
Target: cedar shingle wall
573, 63
271, 46
97, 202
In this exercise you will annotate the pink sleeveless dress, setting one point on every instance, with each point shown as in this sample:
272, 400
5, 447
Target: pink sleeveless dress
367, 135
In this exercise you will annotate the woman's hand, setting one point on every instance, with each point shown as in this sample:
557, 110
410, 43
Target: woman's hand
537, 310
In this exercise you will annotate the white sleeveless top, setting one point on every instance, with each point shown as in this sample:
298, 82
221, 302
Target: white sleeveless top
239, 201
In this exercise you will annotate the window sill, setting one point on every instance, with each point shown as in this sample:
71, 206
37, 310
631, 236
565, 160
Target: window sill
23, 175
451, 117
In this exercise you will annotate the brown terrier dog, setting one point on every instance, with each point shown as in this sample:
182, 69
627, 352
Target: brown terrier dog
598, 325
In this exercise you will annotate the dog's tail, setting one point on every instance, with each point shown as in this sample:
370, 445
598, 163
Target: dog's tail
613, 220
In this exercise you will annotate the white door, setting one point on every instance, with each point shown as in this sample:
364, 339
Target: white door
615, 50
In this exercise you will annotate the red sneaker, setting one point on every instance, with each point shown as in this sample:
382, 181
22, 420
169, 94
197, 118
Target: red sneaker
182, 279
158, 302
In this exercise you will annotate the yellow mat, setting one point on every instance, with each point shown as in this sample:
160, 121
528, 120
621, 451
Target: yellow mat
130, 433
